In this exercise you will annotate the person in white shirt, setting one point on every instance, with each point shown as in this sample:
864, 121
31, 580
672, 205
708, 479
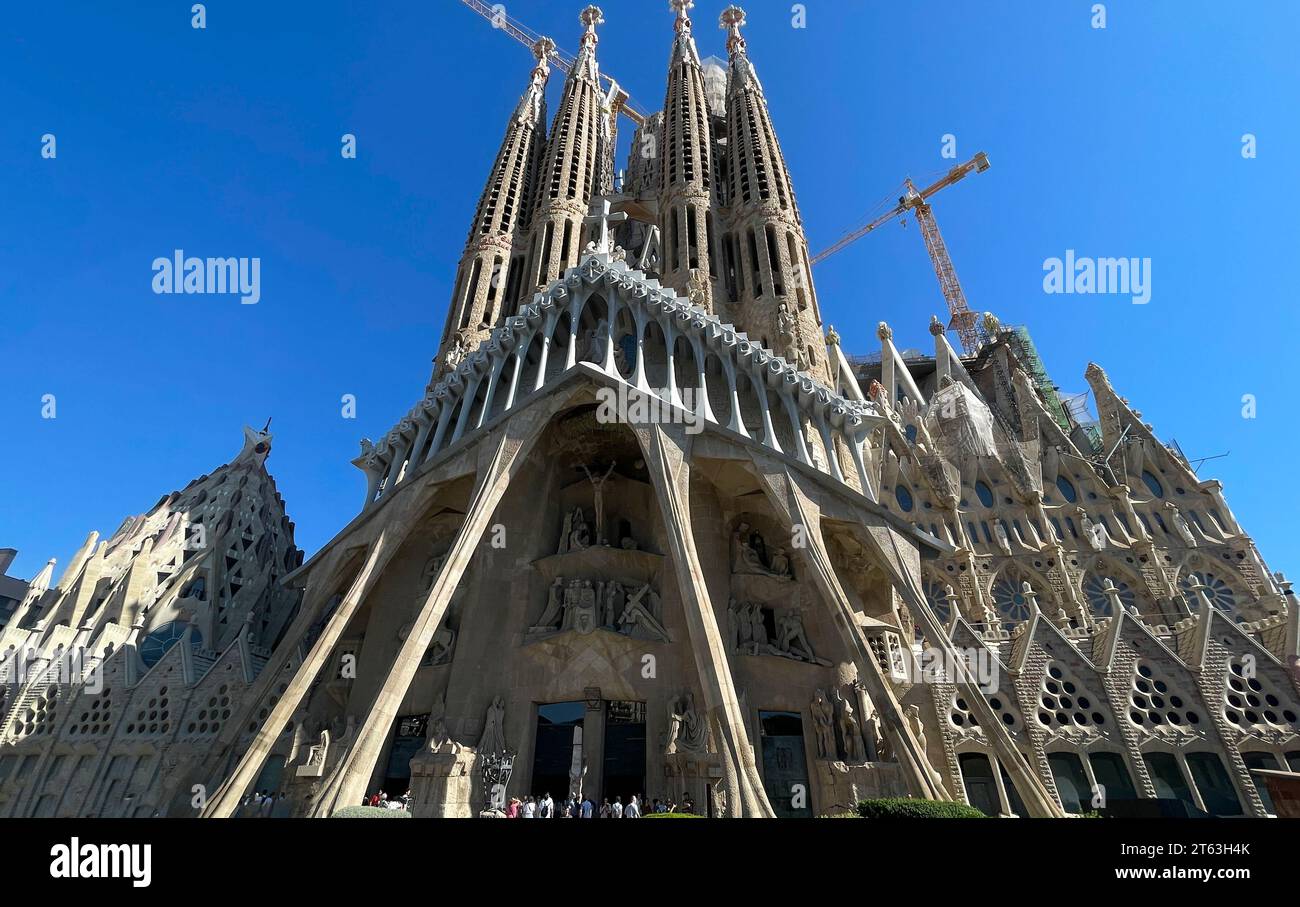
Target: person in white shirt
530, 809
546, 809
633, 810
616, 809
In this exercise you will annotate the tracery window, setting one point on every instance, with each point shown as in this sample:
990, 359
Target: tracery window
1064, 702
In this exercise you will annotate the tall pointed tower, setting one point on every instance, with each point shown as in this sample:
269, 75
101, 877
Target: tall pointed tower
575, 166
686, 175
491, 269
767, 254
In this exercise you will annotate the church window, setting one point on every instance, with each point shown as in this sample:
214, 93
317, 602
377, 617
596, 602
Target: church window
708, 236
154, 646
1168, 778
692, 241
1071, 782
774, 260
904, 498
1214, 784
1066, 489
755, 270
566, 243
1094, 590
984, 493
1220, 594
1064, 702
1154, 703
1153, 483
1112, 775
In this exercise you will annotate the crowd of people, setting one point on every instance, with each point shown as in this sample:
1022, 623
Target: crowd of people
381, 800
544, 807
265, 804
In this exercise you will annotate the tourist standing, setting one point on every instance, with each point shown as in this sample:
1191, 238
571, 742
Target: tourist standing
588, 808
616, 810
633, 810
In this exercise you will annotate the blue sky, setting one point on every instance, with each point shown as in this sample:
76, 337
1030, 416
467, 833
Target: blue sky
1123, 141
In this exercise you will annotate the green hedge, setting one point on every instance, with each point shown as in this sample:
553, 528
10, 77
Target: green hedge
370, 812
907, 808
671, 816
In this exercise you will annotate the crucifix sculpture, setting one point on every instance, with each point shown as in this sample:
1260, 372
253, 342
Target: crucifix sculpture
599, 485
604, 218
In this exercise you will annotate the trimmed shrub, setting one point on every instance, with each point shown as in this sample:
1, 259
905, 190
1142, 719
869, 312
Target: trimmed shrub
907, 808
370, 812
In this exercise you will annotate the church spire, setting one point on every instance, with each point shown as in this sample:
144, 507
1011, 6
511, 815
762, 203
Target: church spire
574, 168
767, 254
686, 174
492, 266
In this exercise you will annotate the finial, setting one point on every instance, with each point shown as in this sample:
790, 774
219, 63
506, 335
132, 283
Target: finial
267, 426
732, 18
590, 18
991, 324
1030, 596
543, 47
832, 336
936, 326
681, 8
884, 331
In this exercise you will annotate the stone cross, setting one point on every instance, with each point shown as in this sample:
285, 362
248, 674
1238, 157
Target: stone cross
603, 217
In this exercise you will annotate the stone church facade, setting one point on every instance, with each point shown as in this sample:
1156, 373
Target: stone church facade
650, 531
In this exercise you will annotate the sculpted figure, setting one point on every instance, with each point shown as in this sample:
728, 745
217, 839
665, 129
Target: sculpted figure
823, 717
1181, 525
793, 640
641, 615
745, 557
687, 732
580, 538
550, 618
316, 755
615, 596
758, 630
850, 731
1000, 533
493, 739
780, 563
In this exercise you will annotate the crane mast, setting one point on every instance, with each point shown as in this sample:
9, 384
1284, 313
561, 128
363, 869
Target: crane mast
963, 320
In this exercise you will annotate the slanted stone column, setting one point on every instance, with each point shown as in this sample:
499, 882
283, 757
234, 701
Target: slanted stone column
665, 448
225, 800
795, 509
499, 459
882, 541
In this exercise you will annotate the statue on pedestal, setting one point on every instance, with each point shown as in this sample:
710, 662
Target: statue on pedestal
493, 739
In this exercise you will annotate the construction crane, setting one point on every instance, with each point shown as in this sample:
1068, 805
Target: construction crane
963, 319
496, 15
